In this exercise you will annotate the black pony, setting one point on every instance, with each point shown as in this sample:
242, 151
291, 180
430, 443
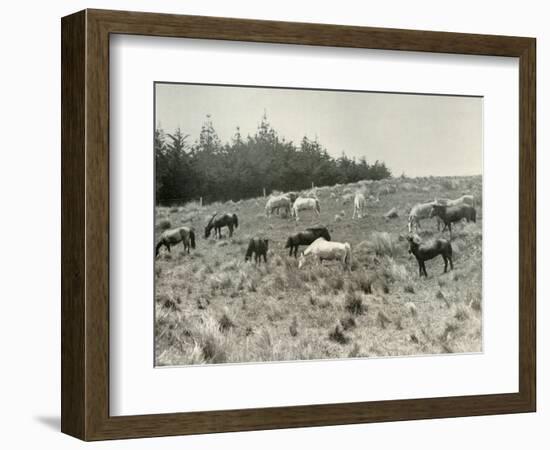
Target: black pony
225, 220
305, 238
258, 247
426, 251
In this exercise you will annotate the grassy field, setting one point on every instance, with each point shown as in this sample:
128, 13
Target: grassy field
212, 307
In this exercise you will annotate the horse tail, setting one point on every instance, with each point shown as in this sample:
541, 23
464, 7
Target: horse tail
474, 213
192, 237
236, 220
249, 250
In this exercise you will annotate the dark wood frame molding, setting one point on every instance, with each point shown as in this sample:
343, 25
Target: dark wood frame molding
85, 224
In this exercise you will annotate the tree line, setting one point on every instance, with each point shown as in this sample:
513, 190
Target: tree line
243, 167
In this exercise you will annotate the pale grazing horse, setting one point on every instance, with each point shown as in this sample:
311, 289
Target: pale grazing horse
359, 205
464, 200
276, 202
303, 203
421, 211
174, 236
321, 250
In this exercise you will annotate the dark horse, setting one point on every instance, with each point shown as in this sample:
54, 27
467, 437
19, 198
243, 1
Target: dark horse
425, 251
172, 237
258, 247
305, 238
225, 220
451, 214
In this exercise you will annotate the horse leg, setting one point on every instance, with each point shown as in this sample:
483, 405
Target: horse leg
265, 258
420, 268
445, 259
424, 269
451, 261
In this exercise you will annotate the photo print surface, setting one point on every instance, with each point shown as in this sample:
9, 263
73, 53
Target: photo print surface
302, 224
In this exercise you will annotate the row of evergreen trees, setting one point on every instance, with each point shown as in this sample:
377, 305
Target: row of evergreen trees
243, 167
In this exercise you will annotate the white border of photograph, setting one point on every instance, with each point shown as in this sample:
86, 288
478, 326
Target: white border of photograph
137, 387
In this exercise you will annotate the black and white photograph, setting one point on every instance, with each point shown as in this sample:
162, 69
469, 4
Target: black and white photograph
305, 224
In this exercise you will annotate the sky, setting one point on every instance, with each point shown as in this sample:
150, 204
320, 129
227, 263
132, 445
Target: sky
417, 134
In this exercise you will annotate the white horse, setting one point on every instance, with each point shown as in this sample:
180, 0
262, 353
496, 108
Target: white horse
464, 200
420, 211
303, 203
359, 205
276, 202
322, 249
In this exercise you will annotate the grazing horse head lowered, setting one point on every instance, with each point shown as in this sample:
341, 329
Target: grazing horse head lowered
230, 221
172, 237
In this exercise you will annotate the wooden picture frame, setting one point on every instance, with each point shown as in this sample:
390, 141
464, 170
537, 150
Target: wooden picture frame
85, 224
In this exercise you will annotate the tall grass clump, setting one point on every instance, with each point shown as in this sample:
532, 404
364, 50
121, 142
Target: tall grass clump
353, 303
383, 244
211, 341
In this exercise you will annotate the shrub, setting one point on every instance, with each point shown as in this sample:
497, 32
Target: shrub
411, 307
382, 243
353, 302
348, 323
354, 352
165, 224
337, 335
461, 313
225, 323
211, 341
293, 328
382, 319
363, 282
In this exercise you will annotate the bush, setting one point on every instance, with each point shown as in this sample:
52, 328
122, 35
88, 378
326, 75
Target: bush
348, 323
165, 224
353, 303
226, 323
383, 244
337, 335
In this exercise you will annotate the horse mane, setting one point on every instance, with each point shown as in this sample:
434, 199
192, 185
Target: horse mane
212, 218
209, 223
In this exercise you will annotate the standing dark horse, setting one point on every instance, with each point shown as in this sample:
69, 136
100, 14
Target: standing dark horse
426, 251
172, 237
225, 220
258, 247
452, 214
305, 238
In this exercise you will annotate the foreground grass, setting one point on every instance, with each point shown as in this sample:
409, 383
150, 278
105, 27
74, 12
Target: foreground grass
212, 307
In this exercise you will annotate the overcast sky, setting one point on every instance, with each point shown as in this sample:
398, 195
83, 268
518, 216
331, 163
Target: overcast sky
416, 134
